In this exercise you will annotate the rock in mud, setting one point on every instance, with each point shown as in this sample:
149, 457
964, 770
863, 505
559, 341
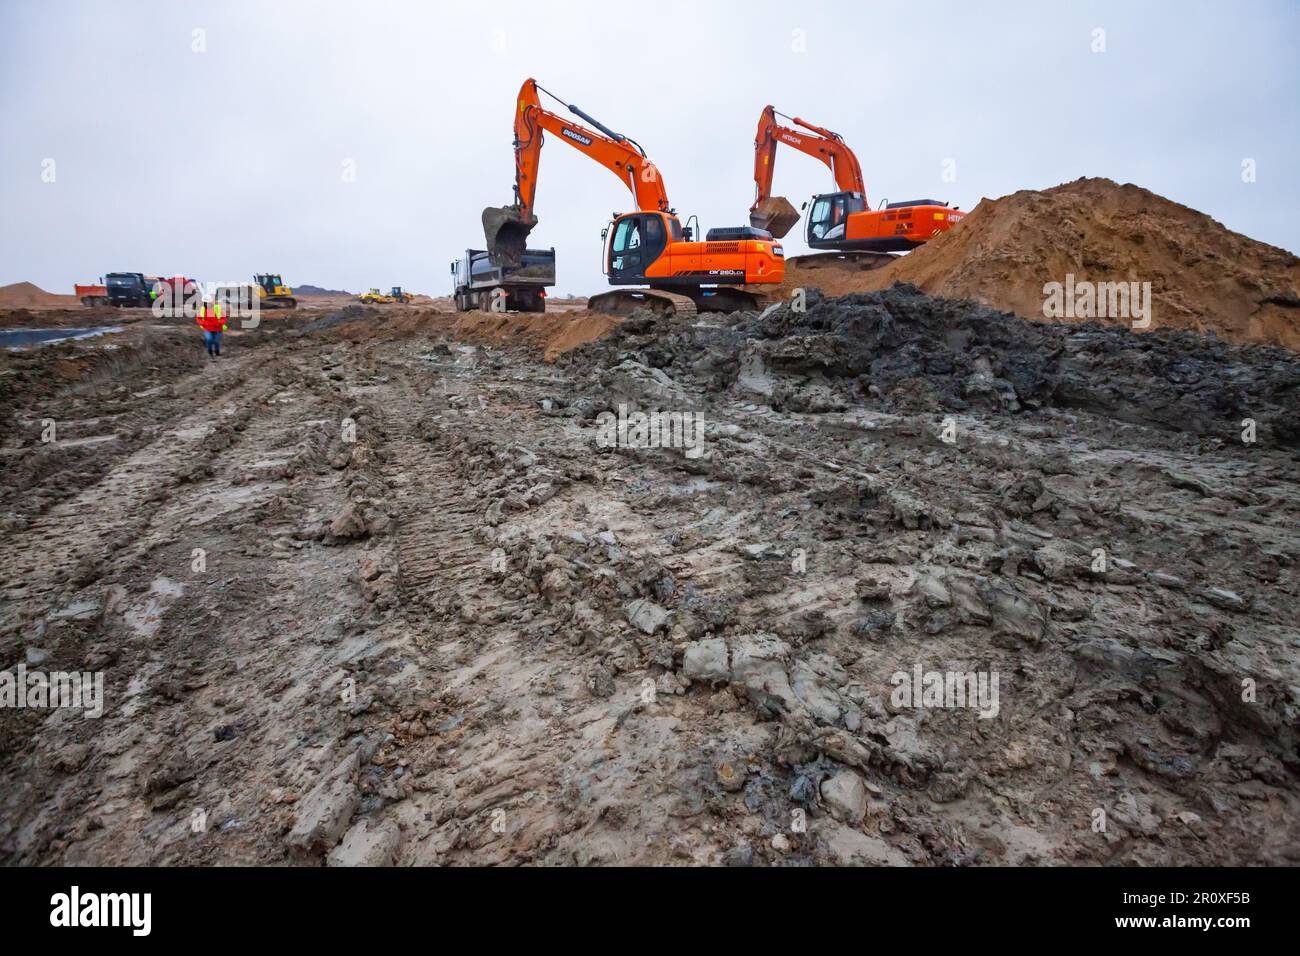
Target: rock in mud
646, 616
349, 524
706, 660
845, 796
367, 845
322, 816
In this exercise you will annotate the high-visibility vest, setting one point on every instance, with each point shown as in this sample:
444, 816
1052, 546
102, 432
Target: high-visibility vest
210, 318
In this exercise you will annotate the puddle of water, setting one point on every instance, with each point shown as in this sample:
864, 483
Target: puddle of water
17, 338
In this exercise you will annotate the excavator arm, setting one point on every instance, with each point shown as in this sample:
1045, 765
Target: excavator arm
774, 212
506, 228
612, 150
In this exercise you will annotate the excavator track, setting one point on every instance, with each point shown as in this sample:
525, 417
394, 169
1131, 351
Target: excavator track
721, 299
626, 301
857, 261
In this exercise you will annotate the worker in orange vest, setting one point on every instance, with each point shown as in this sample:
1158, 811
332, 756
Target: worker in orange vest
213, 322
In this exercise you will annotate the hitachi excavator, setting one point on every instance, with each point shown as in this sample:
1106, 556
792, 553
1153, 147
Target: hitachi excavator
650, 247
840, 221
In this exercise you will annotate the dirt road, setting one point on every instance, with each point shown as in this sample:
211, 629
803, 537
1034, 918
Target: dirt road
362, 593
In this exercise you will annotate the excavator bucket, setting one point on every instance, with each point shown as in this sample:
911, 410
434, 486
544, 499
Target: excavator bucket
506, 229
775, 214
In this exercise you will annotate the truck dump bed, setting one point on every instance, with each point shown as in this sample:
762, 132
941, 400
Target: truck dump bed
482, 284
538, 269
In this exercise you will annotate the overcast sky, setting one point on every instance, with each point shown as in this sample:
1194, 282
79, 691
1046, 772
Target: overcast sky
221, 163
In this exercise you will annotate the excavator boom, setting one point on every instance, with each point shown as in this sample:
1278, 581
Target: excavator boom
506, 228
775, 213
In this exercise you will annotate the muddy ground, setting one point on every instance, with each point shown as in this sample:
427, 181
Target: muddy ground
364, 593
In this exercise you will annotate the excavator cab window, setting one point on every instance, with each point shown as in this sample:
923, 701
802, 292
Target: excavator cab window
654, 232
830, 213
639, 239
625, 252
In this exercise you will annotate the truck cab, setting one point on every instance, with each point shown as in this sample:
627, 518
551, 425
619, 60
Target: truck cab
128, 290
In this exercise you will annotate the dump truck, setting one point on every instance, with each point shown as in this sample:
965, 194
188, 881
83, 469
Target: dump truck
476, 279
129, 290
92, 295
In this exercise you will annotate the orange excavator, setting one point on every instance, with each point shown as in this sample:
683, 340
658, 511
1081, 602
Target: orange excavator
650, 247
840, 221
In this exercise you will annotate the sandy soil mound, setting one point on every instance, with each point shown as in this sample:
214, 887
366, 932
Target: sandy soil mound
25, 295
553, 332
1203, 276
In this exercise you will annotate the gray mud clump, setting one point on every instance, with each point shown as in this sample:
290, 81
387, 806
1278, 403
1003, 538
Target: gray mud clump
903, 350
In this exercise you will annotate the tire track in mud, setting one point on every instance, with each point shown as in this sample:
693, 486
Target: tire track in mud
515, 735
74, 541
228, 654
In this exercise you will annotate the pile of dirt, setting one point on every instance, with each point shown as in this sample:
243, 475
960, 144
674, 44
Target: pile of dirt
26, 295
555, 333
1202, 276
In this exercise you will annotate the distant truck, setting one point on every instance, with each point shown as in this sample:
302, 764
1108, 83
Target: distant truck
475, 279
92, 295
127, 290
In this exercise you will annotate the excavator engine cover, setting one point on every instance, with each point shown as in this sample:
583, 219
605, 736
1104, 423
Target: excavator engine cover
506, 229
774, 214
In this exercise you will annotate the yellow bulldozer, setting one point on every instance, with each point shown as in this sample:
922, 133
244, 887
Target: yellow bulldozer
272, 293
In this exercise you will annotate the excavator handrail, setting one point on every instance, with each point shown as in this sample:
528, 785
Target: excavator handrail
618, 153
826, 145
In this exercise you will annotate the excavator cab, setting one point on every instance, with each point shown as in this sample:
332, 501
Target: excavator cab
829, 219
638, 240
